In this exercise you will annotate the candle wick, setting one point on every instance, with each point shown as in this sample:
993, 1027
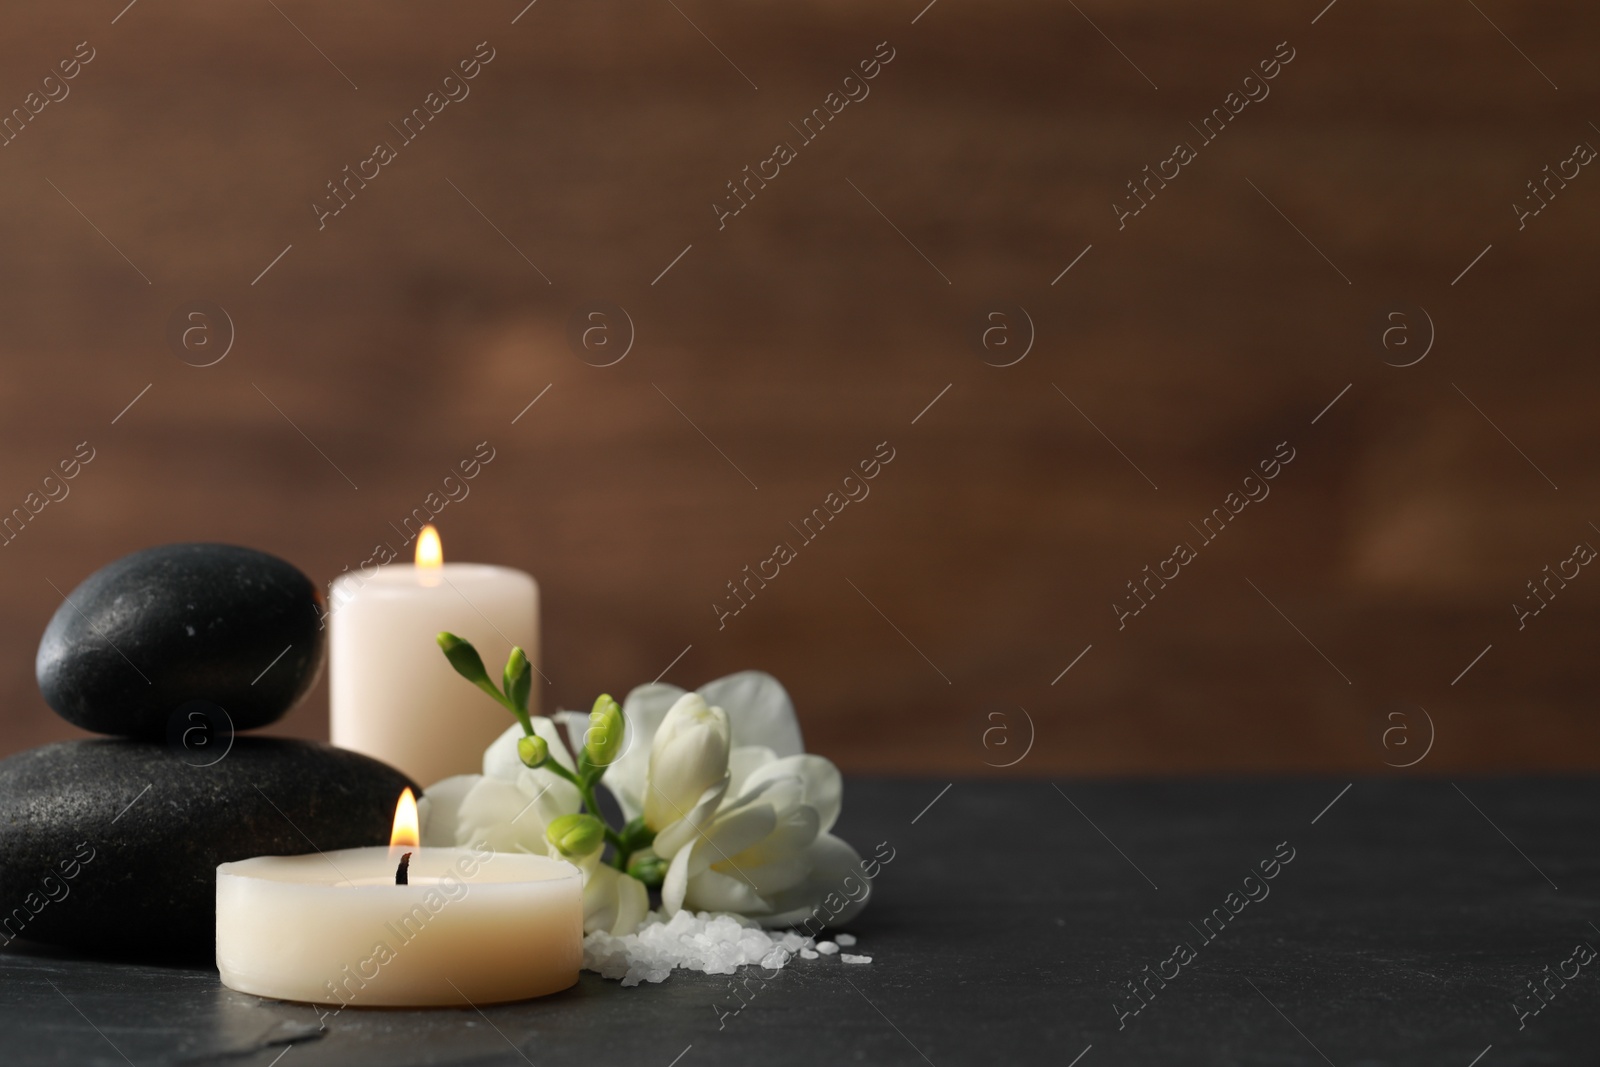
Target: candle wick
401, 873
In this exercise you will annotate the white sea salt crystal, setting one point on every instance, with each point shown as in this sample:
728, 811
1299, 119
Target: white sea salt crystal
846, 940
706, 942
848, 957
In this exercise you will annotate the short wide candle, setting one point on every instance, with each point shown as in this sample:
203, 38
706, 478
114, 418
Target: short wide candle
391, 693
472, 926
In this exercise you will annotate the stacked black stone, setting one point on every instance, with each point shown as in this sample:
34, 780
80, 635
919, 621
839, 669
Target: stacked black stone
112, 845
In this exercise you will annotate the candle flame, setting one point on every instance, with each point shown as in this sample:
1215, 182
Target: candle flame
430, 553
406, 833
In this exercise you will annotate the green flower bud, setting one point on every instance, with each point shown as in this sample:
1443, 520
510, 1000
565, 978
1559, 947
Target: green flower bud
636, 835
518, 678
603, 739
648, 868
533, 751
465, 659
576, 836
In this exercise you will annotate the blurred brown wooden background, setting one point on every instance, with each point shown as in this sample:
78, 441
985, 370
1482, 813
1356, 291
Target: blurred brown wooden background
809, 330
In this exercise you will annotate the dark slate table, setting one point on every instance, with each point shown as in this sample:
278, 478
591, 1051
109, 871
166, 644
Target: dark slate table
1403, 930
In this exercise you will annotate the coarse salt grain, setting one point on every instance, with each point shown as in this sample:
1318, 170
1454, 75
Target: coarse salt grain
707, 942
848, 957
846, 940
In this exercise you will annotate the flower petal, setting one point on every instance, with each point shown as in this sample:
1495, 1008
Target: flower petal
743, 761
633, 904
439, 808
714, 891
676, 882
759, 709
782, 859
688, 756
834, 893
497, 814
551, 796
773, 878
613, 902
685, 830
824, 787
643, 710
730, 835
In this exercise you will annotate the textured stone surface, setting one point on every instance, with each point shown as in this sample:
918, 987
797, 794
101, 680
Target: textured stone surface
113, 845
144, 637
1399, 935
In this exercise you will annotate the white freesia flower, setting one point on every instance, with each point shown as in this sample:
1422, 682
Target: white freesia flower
760, 714
741, 813
755, 840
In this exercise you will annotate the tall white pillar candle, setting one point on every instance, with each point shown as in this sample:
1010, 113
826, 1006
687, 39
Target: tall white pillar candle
392, 693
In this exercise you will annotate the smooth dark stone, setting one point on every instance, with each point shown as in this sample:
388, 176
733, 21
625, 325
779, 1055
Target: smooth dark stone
148, 635
112, 845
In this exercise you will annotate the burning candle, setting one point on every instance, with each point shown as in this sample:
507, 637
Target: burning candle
391, 694
469, 926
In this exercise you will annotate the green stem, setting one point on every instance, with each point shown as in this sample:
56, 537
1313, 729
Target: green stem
619, 859
559, 771
505, 702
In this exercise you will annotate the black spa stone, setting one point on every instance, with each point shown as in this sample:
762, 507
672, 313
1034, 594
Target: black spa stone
112, 846
133, 648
